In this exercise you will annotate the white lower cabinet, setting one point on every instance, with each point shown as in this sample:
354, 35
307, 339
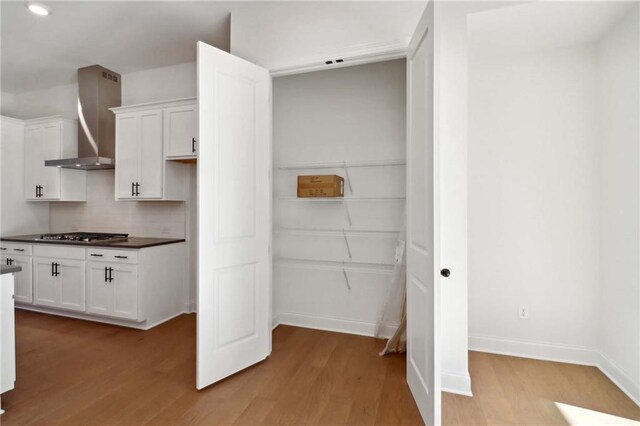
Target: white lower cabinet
112, 290
59, 283
138, 288
23, 279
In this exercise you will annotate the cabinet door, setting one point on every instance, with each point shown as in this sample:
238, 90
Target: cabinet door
52, 150
127, 154
72, 286
112, 290
99, 289
46, 286
125, 291
33, 160
151, 161
180, 131
23, 282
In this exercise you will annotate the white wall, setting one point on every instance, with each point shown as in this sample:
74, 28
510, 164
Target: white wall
17, 216
102, 213
619, 297
347, 114
158, 84
534, 197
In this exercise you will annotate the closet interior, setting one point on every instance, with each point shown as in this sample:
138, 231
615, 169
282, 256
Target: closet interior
333, 257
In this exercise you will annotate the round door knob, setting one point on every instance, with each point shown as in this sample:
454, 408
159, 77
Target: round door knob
445, 272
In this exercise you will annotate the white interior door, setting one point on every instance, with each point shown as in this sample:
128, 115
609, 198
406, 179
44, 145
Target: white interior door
234, 215
423, 294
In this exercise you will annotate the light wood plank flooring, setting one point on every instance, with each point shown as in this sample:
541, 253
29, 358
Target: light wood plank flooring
81, 373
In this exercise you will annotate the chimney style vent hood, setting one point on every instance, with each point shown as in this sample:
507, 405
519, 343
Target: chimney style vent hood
98, 90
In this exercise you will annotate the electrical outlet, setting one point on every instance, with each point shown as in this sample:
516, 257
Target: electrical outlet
523, 312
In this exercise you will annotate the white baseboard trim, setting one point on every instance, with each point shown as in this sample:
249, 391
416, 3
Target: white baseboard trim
536, 350
617, 376
558, 353
458, 383
340, 325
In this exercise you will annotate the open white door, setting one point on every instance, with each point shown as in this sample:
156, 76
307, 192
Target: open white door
234, 215
423, 293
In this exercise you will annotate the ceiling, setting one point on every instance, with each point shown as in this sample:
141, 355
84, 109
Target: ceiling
127, 36
42, 52
543, 25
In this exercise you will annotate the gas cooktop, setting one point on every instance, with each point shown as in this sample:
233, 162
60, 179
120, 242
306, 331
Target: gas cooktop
83, 237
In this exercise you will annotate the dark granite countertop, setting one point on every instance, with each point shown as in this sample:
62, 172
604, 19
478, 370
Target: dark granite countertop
129, 243
8, 269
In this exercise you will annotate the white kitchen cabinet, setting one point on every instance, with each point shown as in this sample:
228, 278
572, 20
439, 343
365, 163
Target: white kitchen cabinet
139, 159
142, 173
59, 283
138, 288
59, 277
112, 290
50, 139
181, 131
18, 254
23, 279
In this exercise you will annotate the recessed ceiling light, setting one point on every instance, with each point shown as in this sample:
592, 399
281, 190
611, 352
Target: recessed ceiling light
38, 9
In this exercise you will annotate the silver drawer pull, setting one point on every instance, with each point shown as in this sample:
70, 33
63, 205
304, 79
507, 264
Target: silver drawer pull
96, 255
121, 257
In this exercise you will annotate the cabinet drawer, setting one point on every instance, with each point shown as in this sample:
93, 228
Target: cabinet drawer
110, 255
59, 252
7, 248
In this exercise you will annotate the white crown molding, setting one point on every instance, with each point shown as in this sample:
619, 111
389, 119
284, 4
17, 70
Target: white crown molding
356, 55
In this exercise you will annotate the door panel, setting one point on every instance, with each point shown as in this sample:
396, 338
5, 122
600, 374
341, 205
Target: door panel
234, 215
23, 283
32, 154
51, 150
72, 288
180, 129
99, 289
125, 291
126, 154
46, 286
150, 155
423, 296
23, 288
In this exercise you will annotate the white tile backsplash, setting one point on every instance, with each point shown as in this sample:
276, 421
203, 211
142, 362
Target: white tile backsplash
102, 213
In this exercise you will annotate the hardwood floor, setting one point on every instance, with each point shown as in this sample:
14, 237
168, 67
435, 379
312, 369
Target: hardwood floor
520, 391
81, 373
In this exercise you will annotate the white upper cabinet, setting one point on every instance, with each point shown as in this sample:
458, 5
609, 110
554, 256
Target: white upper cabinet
50, 139
142, 172
180, 131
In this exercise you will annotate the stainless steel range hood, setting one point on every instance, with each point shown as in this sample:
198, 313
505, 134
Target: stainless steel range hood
98, 90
